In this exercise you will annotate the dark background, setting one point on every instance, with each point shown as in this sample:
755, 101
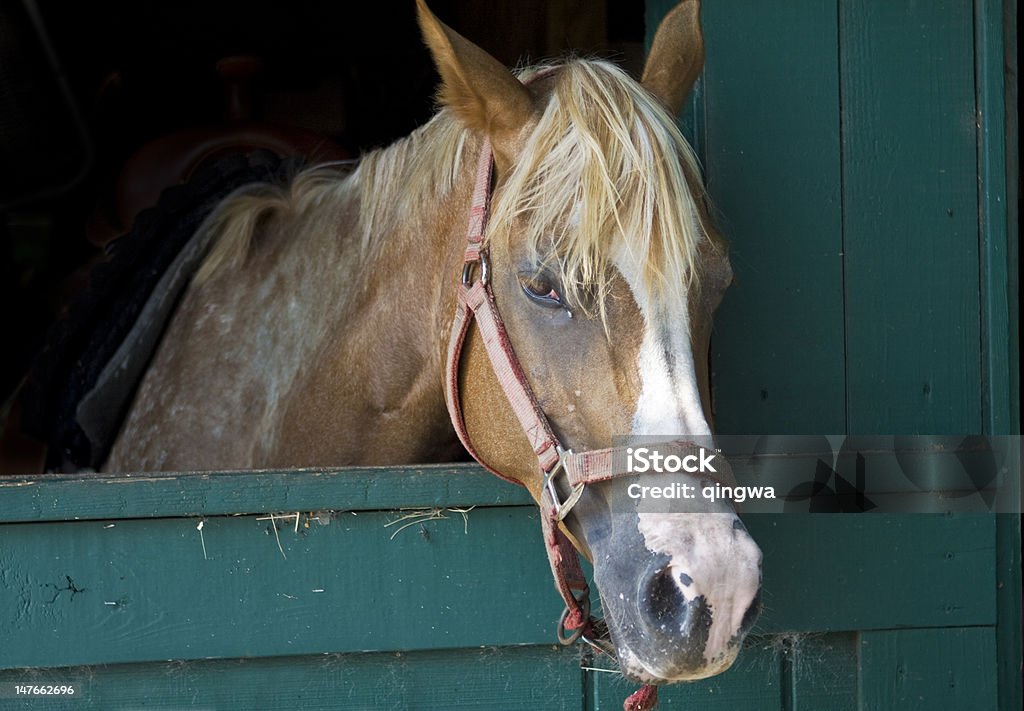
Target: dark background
85, 85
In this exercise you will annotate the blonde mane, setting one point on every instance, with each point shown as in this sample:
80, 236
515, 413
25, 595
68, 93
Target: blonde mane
605, 166
393, 186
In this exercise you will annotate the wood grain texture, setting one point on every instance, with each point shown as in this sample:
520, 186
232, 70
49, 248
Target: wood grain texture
60, 497
157, 589
509, 678
805, 672
837, 572
753, 684
152, 589
910, 217
998, 181
928, 669
772, 156
823, 670
998, 169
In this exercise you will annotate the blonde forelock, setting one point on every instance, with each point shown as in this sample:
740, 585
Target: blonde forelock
605, 167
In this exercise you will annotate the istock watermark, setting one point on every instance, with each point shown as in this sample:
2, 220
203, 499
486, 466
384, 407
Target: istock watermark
649, 460
708, 492
644, 459
822, 473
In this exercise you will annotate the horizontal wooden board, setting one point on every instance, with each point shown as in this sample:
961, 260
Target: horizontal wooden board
905, 669
753, 683
141, 590
857, 572
59, 497
792, 671
511, 678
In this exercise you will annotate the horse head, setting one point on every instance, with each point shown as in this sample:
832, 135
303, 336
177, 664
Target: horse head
606, 272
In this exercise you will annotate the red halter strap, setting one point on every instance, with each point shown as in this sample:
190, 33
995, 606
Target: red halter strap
476, 302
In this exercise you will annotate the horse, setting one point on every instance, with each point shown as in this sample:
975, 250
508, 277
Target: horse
323, 327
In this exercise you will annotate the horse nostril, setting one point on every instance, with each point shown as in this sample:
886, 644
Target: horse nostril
661, 601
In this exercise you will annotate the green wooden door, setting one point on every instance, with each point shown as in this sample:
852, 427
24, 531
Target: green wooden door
419, 588
856, 152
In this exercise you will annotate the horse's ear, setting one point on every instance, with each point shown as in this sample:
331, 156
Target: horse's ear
676, 57
482, 93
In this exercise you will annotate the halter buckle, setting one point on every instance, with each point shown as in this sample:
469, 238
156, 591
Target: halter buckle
562, 508
467, 270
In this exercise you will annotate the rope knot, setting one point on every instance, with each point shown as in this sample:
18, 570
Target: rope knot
575, 619
643, 699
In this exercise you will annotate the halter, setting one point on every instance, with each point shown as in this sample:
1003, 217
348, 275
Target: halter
476, 301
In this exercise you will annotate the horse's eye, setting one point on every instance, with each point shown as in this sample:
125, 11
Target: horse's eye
543, 292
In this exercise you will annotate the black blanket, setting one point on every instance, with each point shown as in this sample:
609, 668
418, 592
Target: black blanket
85, 377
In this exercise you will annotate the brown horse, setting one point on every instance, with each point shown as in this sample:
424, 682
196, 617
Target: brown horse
317, 330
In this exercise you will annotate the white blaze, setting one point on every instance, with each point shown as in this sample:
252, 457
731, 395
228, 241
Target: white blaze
669, 402
707, 556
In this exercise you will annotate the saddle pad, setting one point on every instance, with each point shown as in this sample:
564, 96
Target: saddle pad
84, 378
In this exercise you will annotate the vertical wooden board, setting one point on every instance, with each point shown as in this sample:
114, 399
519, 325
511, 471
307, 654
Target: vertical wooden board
511, 678
1008, 601
997, 166
910, 217
140, 590
752, 684
949, 668
771, 101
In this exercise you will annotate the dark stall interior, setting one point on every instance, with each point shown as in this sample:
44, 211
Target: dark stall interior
105, 104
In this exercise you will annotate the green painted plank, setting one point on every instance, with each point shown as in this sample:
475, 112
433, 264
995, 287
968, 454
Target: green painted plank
929, 669
510, 678
999, 166
145, 589
752, 684
156, 589
824, 670
1001, 304
910, 217
854, 572
771, 99
1008, 606
59, 497
800, 672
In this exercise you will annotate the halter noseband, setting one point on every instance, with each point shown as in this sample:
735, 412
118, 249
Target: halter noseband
476, 301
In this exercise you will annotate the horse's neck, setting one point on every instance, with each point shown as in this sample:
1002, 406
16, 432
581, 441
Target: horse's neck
323, 346
372, 393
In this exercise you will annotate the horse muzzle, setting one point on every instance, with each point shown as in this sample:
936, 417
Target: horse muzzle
679, 591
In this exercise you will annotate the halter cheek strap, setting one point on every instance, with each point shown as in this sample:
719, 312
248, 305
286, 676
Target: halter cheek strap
476, 303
